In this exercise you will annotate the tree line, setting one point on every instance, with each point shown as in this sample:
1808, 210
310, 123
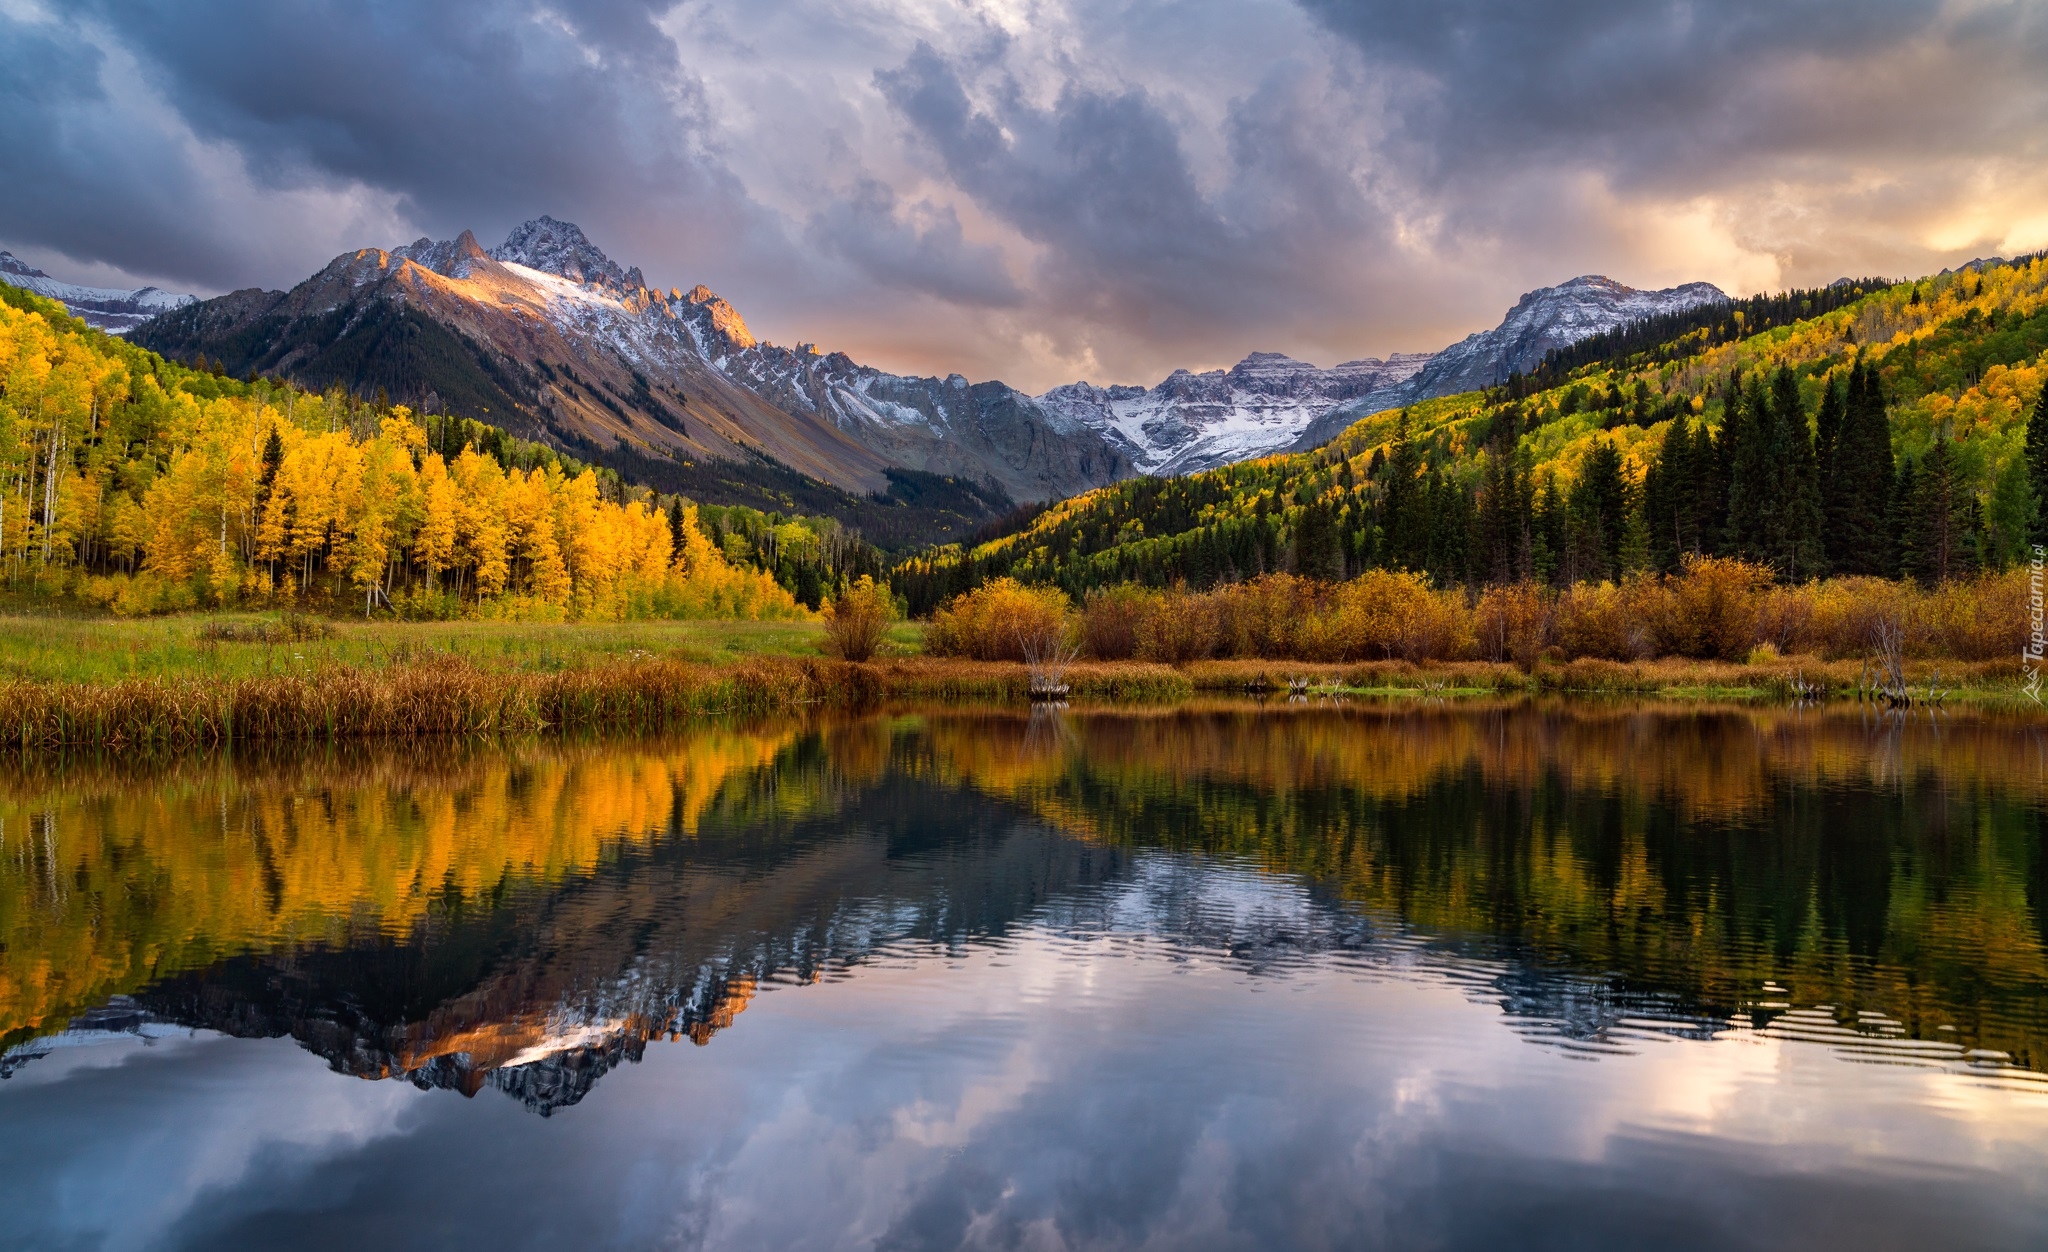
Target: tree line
135, 483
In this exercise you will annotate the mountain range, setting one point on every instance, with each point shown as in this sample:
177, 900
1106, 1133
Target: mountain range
110, 309
549, 338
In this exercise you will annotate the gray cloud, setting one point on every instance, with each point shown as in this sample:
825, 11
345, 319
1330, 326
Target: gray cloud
1128, 236
918, 248
1110, 190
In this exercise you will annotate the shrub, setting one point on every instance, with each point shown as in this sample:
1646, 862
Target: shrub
1708, 611
1111, 619
1838, 618
1270, 616
1382, 615
856, 621
999, 621
291, 628
1181, 627
1602, 620
1514, 622
1984, 619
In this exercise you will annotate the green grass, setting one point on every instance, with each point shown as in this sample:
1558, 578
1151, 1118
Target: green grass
88, 649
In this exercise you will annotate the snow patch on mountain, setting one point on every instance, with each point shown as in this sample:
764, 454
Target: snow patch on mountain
110, 309
1270, 403
561, 248
1196, 421
1546, 319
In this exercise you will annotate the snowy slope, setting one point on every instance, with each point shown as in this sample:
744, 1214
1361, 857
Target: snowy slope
1196, 421
1545, 319
1269, 403
105, 307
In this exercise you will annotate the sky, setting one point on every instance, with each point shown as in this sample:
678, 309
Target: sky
1040, 190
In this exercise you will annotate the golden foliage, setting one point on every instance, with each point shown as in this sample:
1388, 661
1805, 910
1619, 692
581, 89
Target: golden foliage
161, 489
856, 621
999, 621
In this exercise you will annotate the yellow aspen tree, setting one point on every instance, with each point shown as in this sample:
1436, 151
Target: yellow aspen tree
434, 546
481, 520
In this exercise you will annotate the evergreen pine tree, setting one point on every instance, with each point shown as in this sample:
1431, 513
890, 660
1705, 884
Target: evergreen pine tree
2037, 468
1827, 428
1404, 509
1792, 514
1904, 494
1671, 498
1546, 555
1503, 536
1449, 506
1318, 546
273, 456
1710, 491
1938, 538
1860, 482
1743, 459
675, 525
1597, 516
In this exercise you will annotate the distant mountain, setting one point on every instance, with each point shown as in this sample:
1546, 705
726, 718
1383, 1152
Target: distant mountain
1546, 319
115, 311
1269, 403
1198, 421
548, 337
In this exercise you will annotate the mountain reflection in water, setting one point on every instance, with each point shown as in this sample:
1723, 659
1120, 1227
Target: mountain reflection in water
1601, 882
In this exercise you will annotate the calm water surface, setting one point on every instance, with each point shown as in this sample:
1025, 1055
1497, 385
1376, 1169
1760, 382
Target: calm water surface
1216, 977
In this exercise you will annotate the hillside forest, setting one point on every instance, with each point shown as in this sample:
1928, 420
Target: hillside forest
140, 485
1893, 431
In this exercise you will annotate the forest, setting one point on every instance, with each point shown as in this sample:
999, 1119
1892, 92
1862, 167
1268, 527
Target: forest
1894, 432
139, 485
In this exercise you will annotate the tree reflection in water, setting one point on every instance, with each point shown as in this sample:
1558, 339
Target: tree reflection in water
527, 916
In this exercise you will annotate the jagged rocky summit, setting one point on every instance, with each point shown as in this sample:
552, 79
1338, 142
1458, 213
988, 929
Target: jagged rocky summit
110, 309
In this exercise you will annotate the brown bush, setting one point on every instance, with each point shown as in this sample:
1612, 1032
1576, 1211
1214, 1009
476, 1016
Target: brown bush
1514, 622
1709, 611
1269, 616
1111, 618
1384, 615
1000, 621
1181, 626
1985, 619
1837, 618
1605, 621
857, 620
1716, 609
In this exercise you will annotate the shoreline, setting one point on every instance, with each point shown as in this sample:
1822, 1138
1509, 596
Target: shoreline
444, 695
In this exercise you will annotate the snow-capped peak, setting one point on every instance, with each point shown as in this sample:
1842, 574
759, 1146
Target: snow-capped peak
561, 248
110, 309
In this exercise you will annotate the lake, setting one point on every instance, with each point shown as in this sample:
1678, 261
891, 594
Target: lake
1225, 975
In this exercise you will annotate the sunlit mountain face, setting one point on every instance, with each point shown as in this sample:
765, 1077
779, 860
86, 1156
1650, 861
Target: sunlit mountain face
935, 942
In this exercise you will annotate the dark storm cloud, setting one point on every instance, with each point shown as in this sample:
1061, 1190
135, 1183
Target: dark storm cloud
1112, 188
1698, 92
1129, 235
80, 176
475, 112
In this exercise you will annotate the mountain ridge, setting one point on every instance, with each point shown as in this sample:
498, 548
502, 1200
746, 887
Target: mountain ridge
550, 337
108, 308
